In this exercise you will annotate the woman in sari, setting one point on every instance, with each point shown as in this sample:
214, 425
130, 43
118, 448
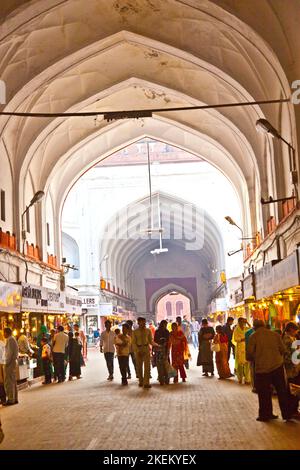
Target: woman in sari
222, 356
160, 353
205, 356
242, 366
74, 357
178, 346
42, 334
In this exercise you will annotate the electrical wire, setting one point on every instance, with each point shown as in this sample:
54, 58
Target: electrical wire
134, 113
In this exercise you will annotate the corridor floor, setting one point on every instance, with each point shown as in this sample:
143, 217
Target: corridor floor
91, 413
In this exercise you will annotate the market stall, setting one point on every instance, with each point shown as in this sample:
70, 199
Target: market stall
272, 294
10, 305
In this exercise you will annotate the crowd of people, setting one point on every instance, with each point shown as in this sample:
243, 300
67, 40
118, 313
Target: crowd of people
267, 360
57, 352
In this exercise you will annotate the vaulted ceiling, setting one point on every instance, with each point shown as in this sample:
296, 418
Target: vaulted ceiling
72, 55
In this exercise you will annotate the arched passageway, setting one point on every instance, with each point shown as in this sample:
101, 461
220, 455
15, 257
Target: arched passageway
172, 305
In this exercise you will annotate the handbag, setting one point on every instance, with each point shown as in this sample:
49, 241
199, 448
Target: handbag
215, 347
171, 371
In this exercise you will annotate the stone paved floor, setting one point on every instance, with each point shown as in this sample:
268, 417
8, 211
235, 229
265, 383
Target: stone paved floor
91, 413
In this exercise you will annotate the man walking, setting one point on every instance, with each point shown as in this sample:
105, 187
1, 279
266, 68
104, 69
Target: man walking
123, 342
107, 345
61, 341
141, 342
195, 328
10, 368
131, 353
228, 331
265, 348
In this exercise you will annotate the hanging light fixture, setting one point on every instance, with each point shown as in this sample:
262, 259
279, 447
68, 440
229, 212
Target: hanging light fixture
152, 229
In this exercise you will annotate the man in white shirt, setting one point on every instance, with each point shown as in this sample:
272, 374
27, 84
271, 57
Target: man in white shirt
24, 346
107, 345
195, 328
61, 341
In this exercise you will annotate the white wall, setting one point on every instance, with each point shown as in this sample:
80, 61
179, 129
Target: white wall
7, 186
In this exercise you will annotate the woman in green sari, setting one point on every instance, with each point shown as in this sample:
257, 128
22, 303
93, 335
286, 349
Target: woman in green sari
43, 333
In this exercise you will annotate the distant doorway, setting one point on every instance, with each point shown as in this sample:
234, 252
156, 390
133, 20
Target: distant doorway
173, 305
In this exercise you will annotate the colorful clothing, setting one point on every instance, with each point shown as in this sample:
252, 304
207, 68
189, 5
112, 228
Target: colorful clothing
178, 347
292, 369
205, 356
222, 356
242, 366
161, 354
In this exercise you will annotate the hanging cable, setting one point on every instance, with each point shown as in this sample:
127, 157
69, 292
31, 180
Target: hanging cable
150, 184
140, 113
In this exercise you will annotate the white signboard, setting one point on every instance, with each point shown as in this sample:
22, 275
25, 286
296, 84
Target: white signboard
72, 304
285, 273
34, 298
271, 279
219, 305
10, 297
56, 302
90, 301
106, 309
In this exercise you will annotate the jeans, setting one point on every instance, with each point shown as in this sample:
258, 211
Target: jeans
109, 357
47, 370
263, 383
195, 339
123, 364
133, 362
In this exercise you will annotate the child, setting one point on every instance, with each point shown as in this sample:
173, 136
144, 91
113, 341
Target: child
46, 358
122, 342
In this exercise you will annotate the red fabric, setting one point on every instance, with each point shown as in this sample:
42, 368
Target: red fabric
178, 345
223, 338
152, 329
181, 370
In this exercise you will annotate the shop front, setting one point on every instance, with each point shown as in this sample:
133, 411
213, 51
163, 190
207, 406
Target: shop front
91, 316
34, 307
273, 292
10, 306
217, 311
11, 316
